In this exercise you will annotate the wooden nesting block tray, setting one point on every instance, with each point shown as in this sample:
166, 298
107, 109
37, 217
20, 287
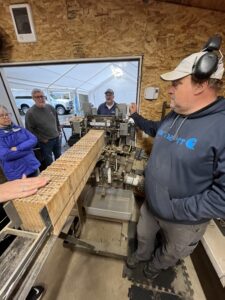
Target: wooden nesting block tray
68, 175
28, 211
79, 169
58, 171
54, 196
63, 167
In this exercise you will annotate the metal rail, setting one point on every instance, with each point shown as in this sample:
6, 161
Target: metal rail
38, 241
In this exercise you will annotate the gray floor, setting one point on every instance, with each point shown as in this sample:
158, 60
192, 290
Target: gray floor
75, 275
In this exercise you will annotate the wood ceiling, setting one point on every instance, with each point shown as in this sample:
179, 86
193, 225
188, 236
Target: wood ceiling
218, 5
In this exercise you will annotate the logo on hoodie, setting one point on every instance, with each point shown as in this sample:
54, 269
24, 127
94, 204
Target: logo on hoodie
188, 143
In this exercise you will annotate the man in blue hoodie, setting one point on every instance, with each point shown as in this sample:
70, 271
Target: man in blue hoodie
185, 174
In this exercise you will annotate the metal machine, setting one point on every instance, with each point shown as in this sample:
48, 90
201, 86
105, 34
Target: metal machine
109, 195
106, 204
17, 272
121, 164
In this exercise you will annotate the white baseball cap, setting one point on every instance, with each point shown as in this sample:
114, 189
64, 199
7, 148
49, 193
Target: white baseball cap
185, 68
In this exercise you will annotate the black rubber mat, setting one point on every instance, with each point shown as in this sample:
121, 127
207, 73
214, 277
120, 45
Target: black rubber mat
165, 278
173, 281
139, 293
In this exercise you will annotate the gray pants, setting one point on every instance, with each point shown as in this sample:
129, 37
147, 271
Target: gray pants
179, 240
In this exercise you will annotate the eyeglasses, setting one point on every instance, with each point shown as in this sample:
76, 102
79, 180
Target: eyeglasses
40, 97
4, 116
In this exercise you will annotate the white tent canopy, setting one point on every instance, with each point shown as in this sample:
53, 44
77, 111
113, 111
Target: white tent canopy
91, 78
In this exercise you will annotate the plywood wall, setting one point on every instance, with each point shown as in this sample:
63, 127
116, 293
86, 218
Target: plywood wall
218, 5
162, 32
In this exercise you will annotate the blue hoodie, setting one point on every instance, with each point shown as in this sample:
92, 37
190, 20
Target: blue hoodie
185, 174
19, 162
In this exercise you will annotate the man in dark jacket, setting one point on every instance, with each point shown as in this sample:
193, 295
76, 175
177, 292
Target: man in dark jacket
185, 175
109, 106
42, 120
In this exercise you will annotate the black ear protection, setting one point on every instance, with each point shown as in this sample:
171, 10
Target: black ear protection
207, 64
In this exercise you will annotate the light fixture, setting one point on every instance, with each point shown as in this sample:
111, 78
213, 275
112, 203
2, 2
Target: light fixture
116, 71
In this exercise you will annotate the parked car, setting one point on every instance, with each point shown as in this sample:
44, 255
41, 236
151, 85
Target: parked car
62, 106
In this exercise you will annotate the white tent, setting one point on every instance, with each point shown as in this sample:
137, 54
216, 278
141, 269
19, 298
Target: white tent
87, 78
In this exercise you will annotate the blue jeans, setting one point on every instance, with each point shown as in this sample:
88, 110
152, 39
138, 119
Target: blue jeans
53, 146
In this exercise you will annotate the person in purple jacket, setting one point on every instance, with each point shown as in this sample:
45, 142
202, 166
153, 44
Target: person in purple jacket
17, 158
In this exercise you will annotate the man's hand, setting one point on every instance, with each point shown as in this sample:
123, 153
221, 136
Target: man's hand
133, 108
21, 187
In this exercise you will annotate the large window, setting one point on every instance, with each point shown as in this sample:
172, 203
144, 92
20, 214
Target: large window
77, 81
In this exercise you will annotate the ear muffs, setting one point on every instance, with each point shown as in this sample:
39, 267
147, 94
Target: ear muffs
205, 66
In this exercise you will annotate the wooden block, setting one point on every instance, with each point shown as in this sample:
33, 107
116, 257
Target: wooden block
68, 175
29, 213
62, 219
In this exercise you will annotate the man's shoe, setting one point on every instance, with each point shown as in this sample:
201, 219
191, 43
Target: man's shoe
132, 261
150, 272
35, 293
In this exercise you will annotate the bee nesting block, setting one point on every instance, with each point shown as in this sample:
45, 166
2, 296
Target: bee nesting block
68, 176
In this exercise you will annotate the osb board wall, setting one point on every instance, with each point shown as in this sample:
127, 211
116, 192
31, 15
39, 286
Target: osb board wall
209, 4
162, 32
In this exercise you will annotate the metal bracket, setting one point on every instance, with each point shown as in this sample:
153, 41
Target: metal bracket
45, 217
75, 241
12, 214
38, 241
